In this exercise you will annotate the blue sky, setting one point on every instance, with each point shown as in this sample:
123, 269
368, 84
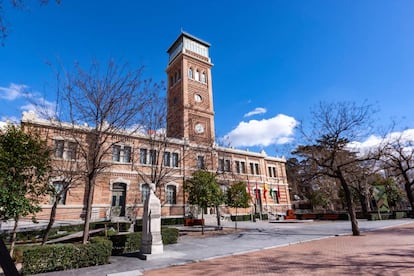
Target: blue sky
273, 60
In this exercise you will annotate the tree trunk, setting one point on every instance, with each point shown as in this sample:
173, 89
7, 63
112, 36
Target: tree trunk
52, 219
364, 206
218, 216
202, 221
88, 213
351, 209
13, 237
235, 221
6, 262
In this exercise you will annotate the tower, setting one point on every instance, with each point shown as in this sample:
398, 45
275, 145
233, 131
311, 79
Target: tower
190, 112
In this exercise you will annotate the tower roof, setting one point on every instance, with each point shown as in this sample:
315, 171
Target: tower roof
185, 34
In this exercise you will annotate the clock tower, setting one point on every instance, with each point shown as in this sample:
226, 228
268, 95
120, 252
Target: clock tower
190, 111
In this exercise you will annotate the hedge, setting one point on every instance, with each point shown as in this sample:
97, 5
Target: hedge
46, 258
131, 242
125, 243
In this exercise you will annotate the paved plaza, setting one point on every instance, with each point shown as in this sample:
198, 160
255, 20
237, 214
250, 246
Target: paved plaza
312, 248
388, 251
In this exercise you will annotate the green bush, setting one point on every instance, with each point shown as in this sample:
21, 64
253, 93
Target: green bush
375, 216
172, 221
38, 259
169, 235
241, 218
400, 214
126, 243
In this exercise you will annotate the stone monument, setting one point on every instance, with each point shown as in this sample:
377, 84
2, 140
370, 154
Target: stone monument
151, 241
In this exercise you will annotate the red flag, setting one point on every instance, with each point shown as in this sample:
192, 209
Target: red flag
278, 191
249, 190
257, 192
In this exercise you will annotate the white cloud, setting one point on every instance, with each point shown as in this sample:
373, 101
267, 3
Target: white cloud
374, 141
9, 119
13, 92
32, 101
276, 130
40, 106
257, 110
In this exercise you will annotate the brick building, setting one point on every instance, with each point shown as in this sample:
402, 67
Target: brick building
189, 146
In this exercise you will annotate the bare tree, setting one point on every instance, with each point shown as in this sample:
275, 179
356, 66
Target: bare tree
102, 106
154, 127
329, 153
70, 174
398, 161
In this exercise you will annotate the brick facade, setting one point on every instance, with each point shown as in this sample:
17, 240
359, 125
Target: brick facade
190, 126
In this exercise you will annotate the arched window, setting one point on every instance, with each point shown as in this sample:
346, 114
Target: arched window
171, 81
203, 77
171, 194
275, 195
190, 73
60, 192
176, 77
145, 191
197, 75
179, 74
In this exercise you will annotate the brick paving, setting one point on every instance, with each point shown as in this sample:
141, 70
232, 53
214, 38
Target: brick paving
387, 251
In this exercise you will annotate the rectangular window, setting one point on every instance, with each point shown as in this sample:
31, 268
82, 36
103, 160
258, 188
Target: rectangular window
243, 167
145, 191
171, 194
256, 167
143, 156
227, 166
116, 153
167, 156
221, 165
200, 162
71, 151
175, 160
237, 166
251, 168
274, 172
127, 154
153, 157
59, 146
270, 171
58, 186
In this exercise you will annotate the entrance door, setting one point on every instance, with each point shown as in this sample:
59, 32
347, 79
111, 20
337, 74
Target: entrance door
118, 199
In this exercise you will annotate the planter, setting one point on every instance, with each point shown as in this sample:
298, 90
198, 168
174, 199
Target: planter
192, 222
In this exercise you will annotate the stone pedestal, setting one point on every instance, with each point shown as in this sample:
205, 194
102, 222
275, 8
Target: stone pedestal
151, 242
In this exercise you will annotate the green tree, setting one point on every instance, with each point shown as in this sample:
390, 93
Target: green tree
24, 169
393, 193
203, 191
238, 197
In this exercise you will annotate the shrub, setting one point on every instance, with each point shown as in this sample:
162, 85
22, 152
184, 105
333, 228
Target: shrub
172, 221
126, 243
37, 259
169, 235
